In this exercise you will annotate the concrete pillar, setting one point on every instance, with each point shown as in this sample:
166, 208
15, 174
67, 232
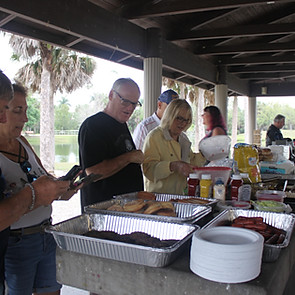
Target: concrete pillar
221, 99
152, 67
152, 84
250, 119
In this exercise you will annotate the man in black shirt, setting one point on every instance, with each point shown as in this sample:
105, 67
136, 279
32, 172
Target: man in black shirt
273, 132
107, 148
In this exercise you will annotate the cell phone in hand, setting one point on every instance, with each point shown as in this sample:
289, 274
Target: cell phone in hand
72, 174
86, 180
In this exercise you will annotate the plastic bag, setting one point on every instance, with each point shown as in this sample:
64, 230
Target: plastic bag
246, 160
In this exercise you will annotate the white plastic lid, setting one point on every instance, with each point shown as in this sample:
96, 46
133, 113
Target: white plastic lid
237, 177
193, 175
206, 176
245, 175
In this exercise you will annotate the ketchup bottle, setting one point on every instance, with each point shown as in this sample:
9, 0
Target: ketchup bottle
235, 184
193, 185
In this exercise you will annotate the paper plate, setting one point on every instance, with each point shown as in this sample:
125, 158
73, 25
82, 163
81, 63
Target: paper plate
226, 254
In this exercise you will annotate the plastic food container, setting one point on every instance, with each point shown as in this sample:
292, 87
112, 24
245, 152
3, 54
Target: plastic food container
270, 195
272, 206
215, 172
224, 205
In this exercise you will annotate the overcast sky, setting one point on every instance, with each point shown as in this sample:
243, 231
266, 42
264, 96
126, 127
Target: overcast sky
105, 74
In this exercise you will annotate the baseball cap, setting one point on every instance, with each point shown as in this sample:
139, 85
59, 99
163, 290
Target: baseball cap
168, 95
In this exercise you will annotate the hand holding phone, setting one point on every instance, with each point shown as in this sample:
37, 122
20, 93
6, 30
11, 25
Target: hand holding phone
86, 180
73, 173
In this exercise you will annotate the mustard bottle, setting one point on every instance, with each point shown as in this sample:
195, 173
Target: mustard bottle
206, 186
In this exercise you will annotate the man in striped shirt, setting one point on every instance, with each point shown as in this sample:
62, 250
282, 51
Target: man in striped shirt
153, 121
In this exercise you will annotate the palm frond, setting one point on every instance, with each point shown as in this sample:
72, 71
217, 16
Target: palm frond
23, 47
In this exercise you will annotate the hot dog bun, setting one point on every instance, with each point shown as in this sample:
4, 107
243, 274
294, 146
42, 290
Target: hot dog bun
146, 196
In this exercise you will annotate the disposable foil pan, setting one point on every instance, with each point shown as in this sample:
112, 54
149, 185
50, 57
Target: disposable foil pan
168, 197
188, 213
279, 220
68, 236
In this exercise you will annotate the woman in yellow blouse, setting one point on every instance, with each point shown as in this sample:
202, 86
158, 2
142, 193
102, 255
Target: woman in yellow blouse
168, 157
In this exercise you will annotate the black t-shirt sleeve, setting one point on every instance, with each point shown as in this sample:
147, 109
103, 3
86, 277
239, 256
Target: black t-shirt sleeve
92, 143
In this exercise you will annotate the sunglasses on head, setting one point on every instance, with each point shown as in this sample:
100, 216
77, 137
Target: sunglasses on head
26, 167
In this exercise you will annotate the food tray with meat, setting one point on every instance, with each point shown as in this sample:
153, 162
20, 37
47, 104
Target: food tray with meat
81, 234
159, 210
279, 224
168, 197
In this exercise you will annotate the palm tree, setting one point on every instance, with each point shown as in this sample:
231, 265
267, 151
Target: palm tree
65, 101
49, 69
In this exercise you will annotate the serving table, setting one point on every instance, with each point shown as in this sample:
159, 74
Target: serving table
109, 277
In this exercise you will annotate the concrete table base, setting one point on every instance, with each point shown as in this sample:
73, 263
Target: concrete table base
109, 277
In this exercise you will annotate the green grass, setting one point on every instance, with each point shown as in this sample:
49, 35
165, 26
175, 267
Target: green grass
286, 134
59, 139
64, 166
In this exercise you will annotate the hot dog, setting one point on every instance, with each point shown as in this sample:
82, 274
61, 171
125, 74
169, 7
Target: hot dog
272, 235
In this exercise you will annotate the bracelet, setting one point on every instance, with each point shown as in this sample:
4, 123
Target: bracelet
33, 196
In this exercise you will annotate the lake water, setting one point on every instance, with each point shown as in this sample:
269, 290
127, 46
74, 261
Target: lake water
64, 153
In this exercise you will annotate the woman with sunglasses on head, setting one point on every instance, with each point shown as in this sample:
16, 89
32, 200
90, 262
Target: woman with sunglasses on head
168, 157
30, 255
42, 193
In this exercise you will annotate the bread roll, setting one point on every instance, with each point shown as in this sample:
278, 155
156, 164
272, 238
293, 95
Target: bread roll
146, 196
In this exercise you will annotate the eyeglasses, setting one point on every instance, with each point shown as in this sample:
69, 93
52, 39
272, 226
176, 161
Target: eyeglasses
26, 167
126, 102
182, 120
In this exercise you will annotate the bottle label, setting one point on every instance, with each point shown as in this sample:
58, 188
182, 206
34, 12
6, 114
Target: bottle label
219, 192
244, 193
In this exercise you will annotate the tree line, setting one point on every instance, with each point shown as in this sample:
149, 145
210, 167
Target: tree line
66, 119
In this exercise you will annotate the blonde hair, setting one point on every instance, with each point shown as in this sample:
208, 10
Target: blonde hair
172, 111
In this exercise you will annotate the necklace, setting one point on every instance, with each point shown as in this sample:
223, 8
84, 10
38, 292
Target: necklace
19, 155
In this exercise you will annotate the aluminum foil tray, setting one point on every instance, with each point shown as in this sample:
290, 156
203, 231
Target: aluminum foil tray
188, 213
279, 220
68, 236
168, 197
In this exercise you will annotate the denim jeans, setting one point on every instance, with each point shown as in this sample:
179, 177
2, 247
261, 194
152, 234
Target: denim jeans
30, 264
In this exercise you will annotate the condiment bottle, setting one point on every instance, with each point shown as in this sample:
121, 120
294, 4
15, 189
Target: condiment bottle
245, 189
206, 186
219, 190
246, 178
235, 184
193, 185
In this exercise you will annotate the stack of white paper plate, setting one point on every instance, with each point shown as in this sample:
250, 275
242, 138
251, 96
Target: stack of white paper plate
226, 254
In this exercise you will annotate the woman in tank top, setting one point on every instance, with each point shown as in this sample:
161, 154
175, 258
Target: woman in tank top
30, 257
213, 121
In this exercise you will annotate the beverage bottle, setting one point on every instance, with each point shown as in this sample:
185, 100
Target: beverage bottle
245, 189
193, 185
219, 190
235, 184
206, 186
